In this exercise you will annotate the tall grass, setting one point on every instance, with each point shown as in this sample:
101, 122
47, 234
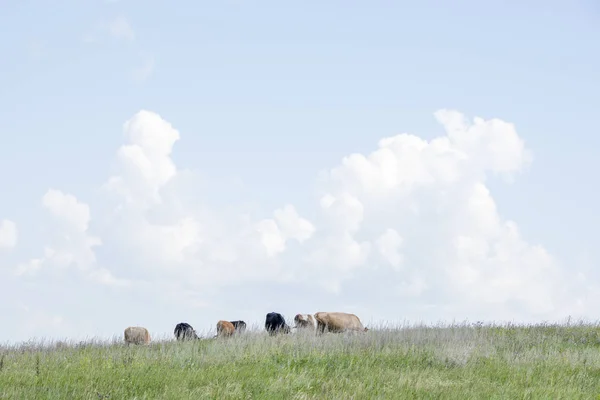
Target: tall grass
459, 361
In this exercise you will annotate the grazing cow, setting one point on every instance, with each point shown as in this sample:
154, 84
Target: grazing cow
338, 322
225, 328
275, 323
137, 335
304, 321
184, 331
240, 326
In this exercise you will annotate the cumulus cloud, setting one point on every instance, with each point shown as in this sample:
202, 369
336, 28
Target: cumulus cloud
72, 245
292, 225
411, 220
67, 208
145, 163
425, 204
8, 234
389, 244
155, 230
287, 224
120, 28
144, 168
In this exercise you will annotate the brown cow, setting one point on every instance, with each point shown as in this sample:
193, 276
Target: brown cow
338, 322
225, 328
304, 321
137, 335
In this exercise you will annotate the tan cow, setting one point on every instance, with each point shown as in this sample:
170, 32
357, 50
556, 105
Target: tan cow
225, 328
304, 321
137, 335
338, 322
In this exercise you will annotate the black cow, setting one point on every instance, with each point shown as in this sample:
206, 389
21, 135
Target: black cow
184, 331
240, 326
275, 323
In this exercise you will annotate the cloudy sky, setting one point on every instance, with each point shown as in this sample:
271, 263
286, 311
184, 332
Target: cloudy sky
195, 161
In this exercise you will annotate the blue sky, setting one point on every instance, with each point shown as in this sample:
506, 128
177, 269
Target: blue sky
267, 95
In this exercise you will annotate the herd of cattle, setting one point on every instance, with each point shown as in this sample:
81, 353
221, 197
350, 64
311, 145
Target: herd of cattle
274, 324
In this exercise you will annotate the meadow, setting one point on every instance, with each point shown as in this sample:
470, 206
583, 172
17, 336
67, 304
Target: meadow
458, 361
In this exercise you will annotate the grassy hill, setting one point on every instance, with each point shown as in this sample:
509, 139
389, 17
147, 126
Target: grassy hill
451, 362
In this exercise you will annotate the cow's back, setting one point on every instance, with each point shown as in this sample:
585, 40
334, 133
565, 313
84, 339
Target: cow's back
275, 323
239, 326
225, 328
304, 321
184, 331
136, 335
338, 322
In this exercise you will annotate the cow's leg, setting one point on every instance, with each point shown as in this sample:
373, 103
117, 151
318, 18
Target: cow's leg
320, 328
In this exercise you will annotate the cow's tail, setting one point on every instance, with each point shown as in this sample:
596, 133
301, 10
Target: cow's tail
320, 324
318, 317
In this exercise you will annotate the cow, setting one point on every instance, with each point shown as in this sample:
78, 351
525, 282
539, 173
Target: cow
240, 326
225, 329
136, 335
275, 323
338, 322
184, 331
304, 321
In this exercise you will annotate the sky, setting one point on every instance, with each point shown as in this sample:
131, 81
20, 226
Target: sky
195, 161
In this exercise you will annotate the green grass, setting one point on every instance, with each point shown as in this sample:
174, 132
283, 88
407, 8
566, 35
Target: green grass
451, 362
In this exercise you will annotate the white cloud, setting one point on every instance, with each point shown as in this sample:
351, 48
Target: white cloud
493, 144
30, 267
120, 28
145, 164
292, 225
287, 224
8, 234
71, 245
144, 169
343, 212
412, 219
75, 246
161, 234
433, 194
67, 208
271, 237
388, 245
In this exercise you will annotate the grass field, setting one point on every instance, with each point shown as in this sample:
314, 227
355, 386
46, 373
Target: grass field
450, 362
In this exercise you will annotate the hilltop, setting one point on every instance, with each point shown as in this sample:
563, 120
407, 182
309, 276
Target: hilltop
456, 361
